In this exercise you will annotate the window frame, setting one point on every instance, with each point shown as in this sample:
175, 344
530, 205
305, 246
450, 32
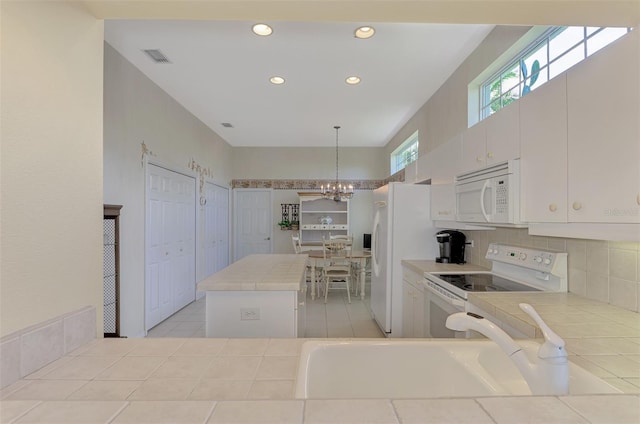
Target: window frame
409, 145
542, 41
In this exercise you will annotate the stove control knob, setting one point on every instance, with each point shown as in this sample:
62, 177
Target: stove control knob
538, 259
547, 261
523, 256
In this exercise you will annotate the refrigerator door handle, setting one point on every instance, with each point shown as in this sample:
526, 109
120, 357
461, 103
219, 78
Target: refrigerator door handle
375, 264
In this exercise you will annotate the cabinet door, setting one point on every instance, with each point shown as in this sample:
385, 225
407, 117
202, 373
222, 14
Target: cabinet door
543, 160
446, 160
503, 134
604, 139
474, 147
424, 167
407, 309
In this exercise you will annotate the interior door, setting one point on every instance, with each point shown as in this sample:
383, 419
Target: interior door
216, 229
253, 222
170, 243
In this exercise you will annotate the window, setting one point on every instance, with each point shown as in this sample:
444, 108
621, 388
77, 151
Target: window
406, 153
555, 51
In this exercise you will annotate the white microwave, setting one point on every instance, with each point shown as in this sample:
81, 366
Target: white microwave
490, 195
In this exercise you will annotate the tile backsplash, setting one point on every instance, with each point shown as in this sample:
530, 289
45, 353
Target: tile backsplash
607, 271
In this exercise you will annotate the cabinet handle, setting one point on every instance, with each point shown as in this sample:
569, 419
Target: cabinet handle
553, 207
638, 199
479, 159
490, 155
577, 206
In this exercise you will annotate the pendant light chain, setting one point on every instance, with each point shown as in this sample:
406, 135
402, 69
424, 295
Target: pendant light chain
337, 127
338, 192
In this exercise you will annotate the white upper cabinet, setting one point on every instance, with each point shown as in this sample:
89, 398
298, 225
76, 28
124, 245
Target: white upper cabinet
445, 165
603, 135
474, 147
492, 140
503, 134
543, 163
424, 169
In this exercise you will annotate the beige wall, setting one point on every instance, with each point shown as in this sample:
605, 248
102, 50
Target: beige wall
313, 162
137, 110
51, 162
445, 114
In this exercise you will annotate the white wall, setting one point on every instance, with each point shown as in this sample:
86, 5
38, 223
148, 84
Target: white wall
137, 110
51, 163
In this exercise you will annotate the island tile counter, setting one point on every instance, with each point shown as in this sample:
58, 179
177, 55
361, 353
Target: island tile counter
258, 296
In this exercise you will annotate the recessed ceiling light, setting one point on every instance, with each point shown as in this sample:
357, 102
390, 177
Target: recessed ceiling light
262, 29
276, 80
352, 80
364, 32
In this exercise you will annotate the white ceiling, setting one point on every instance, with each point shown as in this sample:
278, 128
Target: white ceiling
220, 71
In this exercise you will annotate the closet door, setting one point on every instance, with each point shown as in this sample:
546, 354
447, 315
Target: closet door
216, 229
170, 244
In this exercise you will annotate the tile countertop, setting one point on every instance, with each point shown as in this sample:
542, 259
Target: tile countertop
601, 338
259, 272
249, 381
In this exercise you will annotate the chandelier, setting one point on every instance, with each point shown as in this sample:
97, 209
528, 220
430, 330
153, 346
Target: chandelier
337, 191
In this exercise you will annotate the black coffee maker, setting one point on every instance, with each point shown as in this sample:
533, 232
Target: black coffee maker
452, 245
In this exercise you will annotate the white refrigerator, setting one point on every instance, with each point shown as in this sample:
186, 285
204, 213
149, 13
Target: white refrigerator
402, 229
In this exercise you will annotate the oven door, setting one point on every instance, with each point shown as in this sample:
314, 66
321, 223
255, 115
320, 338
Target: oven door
438, 305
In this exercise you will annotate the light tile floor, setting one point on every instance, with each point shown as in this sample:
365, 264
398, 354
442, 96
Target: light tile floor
336, 318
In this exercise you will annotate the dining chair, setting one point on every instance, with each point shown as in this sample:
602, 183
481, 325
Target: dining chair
337, 269
297, 247
295, 239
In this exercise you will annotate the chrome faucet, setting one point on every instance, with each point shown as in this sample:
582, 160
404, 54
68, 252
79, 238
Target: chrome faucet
548, 374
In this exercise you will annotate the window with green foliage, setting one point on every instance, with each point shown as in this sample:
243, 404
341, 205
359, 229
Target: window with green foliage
555, 51
406, 153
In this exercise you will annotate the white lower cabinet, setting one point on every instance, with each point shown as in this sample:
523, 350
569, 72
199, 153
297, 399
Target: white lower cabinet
412, 304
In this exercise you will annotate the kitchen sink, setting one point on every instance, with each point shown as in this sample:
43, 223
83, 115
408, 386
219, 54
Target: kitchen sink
429, 368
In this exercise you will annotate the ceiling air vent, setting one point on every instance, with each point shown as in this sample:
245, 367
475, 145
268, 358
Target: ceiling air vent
227, 125
157, 56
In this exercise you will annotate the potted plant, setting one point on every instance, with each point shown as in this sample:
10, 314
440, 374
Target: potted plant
284, 224
295, 225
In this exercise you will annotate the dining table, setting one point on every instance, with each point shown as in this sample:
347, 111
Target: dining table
316, 258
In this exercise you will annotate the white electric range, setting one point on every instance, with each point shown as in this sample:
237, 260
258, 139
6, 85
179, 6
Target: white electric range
513, 269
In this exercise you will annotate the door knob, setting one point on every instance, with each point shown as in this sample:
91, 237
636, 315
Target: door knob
577, 206
553, 207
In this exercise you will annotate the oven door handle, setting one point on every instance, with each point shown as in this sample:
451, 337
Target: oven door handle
449, 300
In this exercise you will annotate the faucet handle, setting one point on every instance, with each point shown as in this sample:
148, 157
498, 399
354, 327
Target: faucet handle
553, 346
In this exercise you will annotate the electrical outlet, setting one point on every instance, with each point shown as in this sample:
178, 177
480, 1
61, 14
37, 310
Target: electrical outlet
247, 314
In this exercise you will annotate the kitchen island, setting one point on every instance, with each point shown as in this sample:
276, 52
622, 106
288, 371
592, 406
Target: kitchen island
258, 296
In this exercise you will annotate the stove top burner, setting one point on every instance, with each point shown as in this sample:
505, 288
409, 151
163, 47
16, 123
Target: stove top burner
484, 282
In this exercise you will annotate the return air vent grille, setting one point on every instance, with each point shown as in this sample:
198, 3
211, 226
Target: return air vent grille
157, 56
